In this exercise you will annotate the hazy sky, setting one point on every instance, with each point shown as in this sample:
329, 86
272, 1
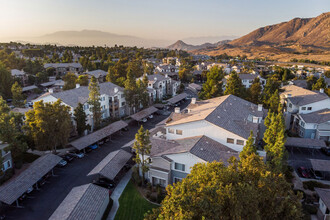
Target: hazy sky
158, 19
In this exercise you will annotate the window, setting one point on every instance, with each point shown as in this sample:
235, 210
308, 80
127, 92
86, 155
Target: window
303, 108
179, 132
176, 179
290, 105
230, 140
179, 166
239, 142
309, 108
171, 130
302, 124
123, 103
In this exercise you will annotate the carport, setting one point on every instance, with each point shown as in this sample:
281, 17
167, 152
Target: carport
15, 188
322, 166
29, 88
83, 202
112, 164
177, 98
305, 143
98, 135
144, 113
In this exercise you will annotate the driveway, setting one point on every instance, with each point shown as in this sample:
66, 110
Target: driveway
41, 204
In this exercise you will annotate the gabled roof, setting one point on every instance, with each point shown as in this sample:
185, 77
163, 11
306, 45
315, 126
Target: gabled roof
201, 146
324, 194
156, 78
16, 72
228, 112
177, 98
110, 166
144, 113
80, 95
62, 65
14, 188
29, 88
317, 117
300, 96
59, 81
83, 202
97, 73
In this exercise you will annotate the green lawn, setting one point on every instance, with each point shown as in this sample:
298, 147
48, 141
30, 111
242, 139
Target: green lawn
132, 205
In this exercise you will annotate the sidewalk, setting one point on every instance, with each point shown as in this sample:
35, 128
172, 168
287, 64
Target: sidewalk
117, 193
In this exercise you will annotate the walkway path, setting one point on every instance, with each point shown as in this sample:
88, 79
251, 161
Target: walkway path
117, 193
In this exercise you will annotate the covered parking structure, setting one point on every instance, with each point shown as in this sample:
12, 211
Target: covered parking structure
177, 98
29, 88
304, 144
144, 113
322, 166
98, 135
112, 164
16, 187
83, 202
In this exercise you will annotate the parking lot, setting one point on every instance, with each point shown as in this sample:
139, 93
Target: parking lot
300, 157
40, 204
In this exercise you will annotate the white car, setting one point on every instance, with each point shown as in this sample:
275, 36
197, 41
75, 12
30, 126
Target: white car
151, 116
77, 154
144, 120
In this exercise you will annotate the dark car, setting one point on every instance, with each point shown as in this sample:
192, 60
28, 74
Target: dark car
317, 174
304, 172
104, 183
326, 150
62, 163
67, 158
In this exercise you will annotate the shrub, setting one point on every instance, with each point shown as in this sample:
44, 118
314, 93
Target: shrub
312, 184
149, 186
148, 195
153, 198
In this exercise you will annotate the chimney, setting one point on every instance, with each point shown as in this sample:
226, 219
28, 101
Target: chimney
116, 89
155, 78
193, 101
50, 90
177, 110
321, 90
259, 107
77, 85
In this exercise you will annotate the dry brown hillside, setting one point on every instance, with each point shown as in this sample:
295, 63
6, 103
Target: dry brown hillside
301, 38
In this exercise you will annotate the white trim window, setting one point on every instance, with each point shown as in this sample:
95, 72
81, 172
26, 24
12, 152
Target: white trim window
177, 179
179, 132
179, 166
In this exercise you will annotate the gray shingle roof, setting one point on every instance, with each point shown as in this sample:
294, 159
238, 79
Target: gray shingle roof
324, 194
155, 77
144, 113
73, 96
83, 202
62, 65
200, 146
233, 114
247, 76
28, 88
97, 73
304, 142
59, 81
177, 98
110, 166
16, 187
98, 135
317, 117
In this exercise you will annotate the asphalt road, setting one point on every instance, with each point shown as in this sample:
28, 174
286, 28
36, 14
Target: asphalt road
42, 203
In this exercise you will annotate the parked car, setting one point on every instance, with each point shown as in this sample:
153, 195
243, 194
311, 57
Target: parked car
151, 116
93, 147
29, 190
62, 163
304, 172
144, 120
326, 150
103, 182
125, 129
317, 174
67, 157
77, 154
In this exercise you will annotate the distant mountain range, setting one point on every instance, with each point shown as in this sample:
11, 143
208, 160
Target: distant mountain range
301, 38
209, 39
180, 45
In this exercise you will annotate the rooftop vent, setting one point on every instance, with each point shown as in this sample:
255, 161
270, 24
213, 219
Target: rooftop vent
260, 107
116, 89
177, 110
77, 85
321, 90
193, 101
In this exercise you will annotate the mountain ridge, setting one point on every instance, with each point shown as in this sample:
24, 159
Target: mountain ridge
180, 45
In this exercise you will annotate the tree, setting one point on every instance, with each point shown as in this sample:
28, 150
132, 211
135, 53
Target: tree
311, 80
273, 102
69, 81
271, 86
213, 86
142, 148
327, 73
142, 91
48, 125
249, 147
234, 85
274, 138
243, 190
255, 91
82, 80
131, 91
80, 118
320, 84
18, 99
5, 82
184, 75
94, 101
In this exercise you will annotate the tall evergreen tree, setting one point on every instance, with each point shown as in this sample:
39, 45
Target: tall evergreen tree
94, 101
255, 91
274, 138
69, 81
82, 80
131, 92
80, 118
142, 147
249, 147
320, 84
6, 82
311, 80
18, 99
274, 101
234, 85
213, 86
